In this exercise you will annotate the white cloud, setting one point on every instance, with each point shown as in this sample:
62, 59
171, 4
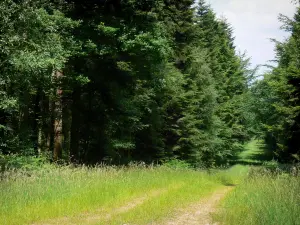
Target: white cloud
254, 23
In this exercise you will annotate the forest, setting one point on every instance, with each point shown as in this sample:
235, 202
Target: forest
121, 81
97, 96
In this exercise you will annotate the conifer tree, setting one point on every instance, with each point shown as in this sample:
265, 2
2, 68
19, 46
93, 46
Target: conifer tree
229, 78
119, 81
278, 96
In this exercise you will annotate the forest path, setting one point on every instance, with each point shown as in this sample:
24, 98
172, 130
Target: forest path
102, 217
196, 214
199, 213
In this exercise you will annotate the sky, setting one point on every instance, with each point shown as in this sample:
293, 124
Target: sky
254, 23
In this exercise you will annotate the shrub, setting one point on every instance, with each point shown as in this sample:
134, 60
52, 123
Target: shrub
177, 164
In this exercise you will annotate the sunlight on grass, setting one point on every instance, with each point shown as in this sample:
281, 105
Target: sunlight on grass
263, 199
266, 194
142, 194
252, 149
255, 153
194, 186
64, 191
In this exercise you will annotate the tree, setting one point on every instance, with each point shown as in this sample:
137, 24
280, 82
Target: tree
119, 81
278, 96
35, 43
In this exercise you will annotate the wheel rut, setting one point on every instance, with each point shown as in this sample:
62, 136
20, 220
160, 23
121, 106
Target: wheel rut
198, 213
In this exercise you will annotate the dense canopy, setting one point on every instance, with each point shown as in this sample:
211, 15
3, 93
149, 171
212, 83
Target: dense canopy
117, 81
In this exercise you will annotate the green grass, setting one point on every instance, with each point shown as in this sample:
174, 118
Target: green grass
266, 196
254, 154
192, 190
263, 199
252, 150
144, 195
68, 192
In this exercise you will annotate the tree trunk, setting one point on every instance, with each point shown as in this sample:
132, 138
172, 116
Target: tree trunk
67, 120
44, 125
74, 151
24, 120
58, 130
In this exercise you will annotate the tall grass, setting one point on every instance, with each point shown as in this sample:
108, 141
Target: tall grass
55, 192
264, 198
194, 186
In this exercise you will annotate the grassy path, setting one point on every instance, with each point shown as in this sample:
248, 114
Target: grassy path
196, 214
199, 213
114, 196
255, 154
101, 216
268, 195
104, 195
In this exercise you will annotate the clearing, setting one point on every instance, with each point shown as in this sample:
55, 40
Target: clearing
140, 195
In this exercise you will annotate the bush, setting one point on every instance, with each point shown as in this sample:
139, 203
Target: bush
177, 164
15, 161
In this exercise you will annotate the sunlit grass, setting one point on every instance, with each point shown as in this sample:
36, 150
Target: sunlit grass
255, 153
144, 195
59, 192
263, 199
266, 194
252, 149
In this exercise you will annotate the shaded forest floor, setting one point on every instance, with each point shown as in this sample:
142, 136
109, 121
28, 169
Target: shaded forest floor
247, 193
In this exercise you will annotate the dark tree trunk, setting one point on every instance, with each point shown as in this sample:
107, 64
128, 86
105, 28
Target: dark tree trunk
66, 126
58, 123
45, 124
75, 125
24, 119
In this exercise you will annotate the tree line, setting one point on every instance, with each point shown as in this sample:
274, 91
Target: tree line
276, 97
117, 81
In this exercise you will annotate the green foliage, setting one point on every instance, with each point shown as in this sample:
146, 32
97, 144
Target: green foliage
177, 164
120, 81
24, 162
277, 97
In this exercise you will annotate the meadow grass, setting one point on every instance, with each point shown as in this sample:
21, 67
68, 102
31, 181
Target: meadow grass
255, 153
267, 195
57, 192
149, 194
263, 199
192, 190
